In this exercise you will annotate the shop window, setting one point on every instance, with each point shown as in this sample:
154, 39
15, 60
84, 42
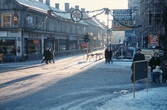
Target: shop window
72, 45
31, 48
63, 45
7, 47
6, 20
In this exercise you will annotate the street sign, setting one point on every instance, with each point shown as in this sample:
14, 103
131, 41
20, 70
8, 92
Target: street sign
129, 33
36, 41
122, 14
84, 45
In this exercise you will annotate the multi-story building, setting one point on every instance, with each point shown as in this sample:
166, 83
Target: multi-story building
27, 27
131, 38
150, 14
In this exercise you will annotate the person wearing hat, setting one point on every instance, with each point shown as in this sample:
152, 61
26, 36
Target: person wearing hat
154, 61
137, 57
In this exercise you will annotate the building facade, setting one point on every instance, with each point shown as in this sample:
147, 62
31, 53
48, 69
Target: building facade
27, 28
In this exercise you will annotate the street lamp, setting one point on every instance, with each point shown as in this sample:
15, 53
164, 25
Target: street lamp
107, 11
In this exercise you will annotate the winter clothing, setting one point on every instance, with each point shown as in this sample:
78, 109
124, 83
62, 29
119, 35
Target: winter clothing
156, 74
108, 55
164, 74
137, 57
154, 61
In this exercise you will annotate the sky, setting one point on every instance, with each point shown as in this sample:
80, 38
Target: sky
91, 5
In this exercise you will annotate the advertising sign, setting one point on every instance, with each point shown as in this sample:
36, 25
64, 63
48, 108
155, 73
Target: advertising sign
122, 14
129, 33
116, 26
153, 40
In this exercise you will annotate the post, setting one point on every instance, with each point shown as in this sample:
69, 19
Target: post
165, 37
87, 49
107, 27
37, 52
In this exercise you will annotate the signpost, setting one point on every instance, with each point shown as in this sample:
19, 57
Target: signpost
36, 41
140, 71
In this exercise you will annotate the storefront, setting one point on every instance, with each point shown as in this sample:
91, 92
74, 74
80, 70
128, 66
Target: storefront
10, 45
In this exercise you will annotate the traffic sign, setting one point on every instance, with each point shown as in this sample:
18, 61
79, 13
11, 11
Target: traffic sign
84, 45
36, 41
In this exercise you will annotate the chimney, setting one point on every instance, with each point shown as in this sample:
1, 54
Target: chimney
76, 7
40, 1
83, 9
57, 5
67, 6
48, 2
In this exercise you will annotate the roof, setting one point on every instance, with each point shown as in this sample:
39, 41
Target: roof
92, 21
36, 5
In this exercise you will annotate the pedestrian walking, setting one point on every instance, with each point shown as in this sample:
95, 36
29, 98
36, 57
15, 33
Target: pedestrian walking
154, 61
108, 55
51, 56
46, 55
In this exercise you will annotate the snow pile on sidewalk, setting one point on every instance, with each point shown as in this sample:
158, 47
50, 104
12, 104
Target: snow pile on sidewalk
154, 99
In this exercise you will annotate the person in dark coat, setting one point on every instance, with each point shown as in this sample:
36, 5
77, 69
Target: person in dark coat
137, 57
46, 55
108, 55
51, 55
154, 61
164, 74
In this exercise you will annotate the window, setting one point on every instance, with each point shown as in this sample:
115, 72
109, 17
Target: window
6, 20
29, 21
7, 46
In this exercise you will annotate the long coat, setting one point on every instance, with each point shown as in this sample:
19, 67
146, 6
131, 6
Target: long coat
164, 69
154, 62
108, 54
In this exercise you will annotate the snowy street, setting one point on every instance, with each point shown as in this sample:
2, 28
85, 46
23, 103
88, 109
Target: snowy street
70, 84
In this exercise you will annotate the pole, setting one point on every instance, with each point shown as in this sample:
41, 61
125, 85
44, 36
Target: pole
165, 37
37, 52
107, 28
87, 49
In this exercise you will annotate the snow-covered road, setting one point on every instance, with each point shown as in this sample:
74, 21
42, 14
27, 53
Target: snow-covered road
68, 84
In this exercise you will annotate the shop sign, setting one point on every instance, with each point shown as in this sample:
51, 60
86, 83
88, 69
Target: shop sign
14, 33
116, 26
153, 40
71, 37
3, 33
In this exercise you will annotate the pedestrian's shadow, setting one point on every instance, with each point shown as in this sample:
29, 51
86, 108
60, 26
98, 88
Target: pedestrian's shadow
18, 80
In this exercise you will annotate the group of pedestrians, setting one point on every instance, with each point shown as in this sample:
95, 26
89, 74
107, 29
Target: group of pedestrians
48, 56
108, 55
155, 64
